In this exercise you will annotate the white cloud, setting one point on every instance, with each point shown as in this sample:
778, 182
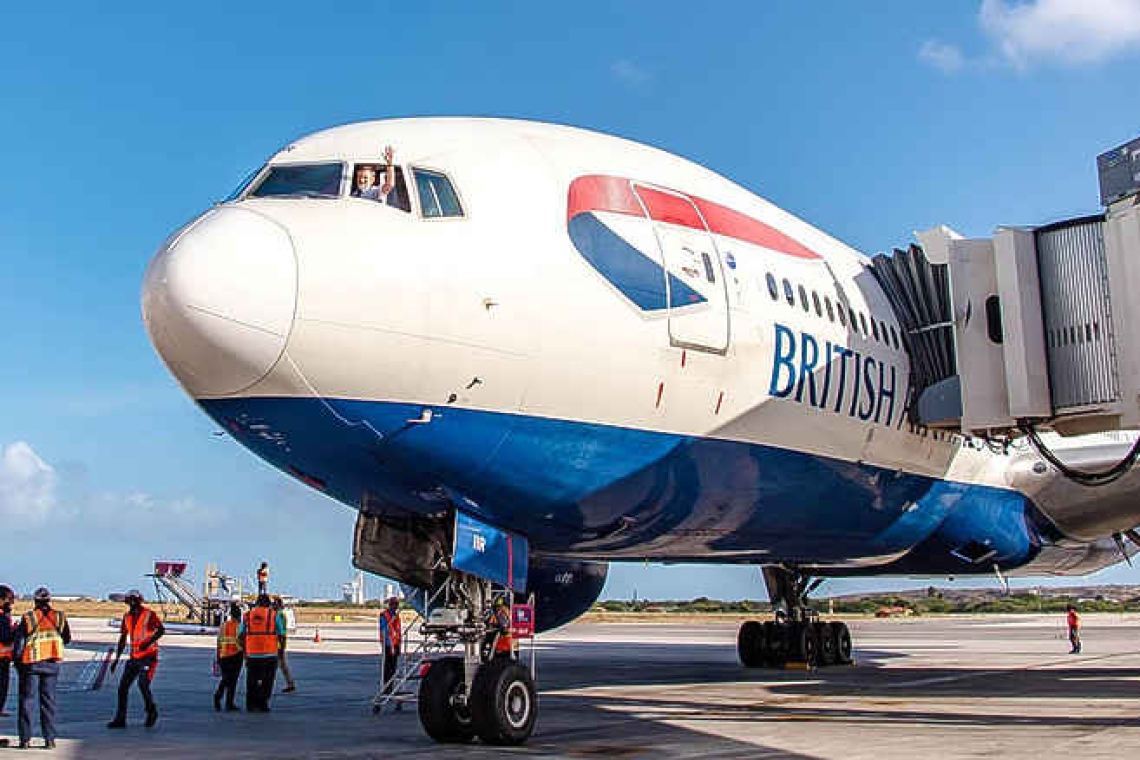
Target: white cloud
33, 493
1024, 33
1074, 32
27, 487
941, 56
628, 72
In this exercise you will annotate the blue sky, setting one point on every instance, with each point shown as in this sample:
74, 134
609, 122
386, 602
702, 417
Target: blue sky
122, 121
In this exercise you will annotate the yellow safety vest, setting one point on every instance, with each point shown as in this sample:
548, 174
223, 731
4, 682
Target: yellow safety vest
228, 640
44, 642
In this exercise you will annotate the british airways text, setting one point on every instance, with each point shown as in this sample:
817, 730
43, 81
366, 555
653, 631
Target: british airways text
836, 378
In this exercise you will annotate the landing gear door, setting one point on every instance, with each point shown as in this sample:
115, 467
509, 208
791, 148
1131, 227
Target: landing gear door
694, 276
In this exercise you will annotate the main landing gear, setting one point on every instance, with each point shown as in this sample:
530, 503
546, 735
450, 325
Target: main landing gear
482, 693
797, 634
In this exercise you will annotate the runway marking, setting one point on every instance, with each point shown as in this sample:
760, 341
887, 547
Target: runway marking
1006, 671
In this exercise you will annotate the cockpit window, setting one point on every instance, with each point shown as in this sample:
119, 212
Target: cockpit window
243, 185
368, 182
301, 181
437, 196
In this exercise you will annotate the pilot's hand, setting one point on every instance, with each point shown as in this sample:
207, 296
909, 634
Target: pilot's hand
389, 154
387, 188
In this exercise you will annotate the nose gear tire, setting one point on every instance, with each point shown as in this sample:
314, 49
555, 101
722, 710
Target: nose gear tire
441, 718
503, 702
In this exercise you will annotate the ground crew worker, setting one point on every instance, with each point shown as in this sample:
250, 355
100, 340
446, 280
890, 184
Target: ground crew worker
391, 637
229, 657
40, 640
282, 660
262, 636
1074, 622
263, 579
500, 624
144, 628
7, 639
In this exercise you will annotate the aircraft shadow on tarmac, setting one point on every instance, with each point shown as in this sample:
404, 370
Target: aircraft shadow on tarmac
647, 689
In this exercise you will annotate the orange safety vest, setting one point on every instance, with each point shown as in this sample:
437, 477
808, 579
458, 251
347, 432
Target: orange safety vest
44, 642
228, 640
5, 649
394, 632
261, 631
505, 642
263, 575
140, 628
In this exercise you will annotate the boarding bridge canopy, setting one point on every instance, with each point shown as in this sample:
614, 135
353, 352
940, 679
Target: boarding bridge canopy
1030, 328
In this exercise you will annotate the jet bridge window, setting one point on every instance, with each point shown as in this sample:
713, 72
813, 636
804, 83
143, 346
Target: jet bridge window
437, 196
301, 181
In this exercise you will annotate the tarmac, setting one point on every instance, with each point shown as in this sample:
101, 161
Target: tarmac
921, 687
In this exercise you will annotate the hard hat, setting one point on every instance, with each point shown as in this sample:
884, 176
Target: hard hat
42, 594
133, 594
501, 601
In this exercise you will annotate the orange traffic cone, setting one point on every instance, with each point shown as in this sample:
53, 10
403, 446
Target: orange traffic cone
317, 636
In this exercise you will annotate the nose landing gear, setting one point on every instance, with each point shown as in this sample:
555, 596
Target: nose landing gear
797, 634
486, 693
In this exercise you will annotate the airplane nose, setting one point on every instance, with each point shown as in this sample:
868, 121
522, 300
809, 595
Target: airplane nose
218, 300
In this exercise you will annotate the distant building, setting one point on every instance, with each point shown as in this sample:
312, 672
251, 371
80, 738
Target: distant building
353, 592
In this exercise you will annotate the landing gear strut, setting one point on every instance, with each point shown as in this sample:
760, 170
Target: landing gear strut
797, 634
483, 693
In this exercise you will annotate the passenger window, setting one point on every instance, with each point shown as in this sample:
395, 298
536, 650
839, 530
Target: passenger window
830, 311
815, 303
708, 267
437, 196
301, 181
842, 313
803, 298
789, 296
894, 337
863, 324
875, 328
772, 290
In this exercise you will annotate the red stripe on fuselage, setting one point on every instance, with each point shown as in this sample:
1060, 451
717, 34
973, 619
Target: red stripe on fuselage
595, 192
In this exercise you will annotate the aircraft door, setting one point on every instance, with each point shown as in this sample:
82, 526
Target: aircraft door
694, 275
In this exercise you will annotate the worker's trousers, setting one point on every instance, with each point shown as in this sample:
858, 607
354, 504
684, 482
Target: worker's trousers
260, 673
141, 670
391, 663
283, 663
1075, 640
5, 675
47, 673
231, 671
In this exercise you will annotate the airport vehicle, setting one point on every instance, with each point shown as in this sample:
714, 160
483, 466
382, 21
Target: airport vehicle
564, 349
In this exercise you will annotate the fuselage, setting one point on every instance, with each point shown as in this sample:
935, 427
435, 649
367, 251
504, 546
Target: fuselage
604, 347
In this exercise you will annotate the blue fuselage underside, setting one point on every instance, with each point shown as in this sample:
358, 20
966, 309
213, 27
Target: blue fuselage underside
606, 492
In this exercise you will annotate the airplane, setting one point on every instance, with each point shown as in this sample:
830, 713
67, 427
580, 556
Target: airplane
605, 351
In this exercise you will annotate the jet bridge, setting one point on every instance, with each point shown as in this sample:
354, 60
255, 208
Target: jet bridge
1032, 328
